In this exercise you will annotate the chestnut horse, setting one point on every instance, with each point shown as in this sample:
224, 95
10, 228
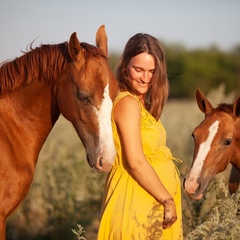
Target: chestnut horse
217, 143
72, 79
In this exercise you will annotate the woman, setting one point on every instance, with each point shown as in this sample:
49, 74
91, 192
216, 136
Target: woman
142, 197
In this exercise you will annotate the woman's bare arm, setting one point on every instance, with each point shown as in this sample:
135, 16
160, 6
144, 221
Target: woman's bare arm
127, 116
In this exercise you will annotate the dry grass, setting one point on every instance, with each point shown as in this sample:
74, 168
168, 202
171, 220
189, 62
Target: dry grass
66, 192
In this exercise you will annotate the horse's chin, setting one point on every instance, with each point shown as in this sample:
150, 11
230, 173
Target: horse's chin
195, 196
100, 166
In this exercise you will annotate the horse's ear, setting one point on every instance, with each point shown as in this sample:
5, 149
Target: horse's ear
101, 39
74, 47
236, 107
203, 103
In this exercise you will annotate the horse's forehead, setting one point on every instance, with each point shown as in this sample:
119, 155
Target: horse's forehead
93, 75
102, 75
222, 117
98, 67
204, 127
225, 122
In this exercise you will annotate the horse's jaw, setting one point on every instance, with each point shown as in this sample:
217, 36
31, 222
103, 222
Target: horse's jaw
99, 154
235, 158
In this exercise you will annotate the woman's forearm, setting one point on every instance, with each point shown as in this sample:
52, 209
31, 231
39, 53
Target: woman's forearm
147, 178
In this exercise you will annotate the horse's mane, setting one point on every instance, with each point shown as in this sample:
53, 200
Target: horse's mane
48, 60
225, 107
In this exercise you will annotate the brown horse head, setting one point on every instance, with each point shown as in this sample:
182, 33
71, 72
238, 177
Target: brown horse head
84, 95
216, 142
70, 78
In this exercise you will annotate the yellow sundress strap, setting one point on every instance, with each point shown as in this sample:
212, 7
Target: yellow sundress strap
179, 161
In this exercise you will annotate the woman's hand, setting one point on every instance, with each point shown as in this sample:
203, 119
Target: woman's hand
170, 215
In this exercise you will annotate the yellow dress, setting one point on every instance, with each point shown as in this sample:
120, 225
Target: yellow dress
128, 211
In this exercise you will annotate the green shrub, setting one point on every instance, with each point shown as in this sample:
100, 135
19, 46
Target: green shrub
223, 220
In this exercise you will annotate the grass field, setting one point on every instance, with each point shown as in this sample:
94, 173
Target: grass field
66, 191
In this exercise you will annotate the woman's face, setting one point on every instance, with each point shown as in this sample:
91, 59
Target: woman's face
141, 69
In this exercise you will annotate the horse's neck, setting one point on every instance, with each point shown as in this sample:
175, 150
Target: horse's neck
32, 115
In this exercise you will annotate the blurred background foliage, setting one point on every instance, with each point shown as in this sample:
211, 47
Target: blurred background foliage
66, 191
203, 68
206, 69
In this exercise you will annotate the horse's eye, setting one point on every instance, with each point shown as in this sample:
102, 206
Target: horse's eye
83, 98
86, 100
227, 142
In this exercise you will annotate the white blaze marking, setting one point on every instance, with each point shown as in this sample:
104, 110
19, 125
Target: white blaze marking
105, 127
203, 151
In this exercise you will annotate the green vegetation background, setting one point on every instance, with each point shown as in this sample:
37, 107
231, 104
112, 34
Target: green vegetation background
66, 191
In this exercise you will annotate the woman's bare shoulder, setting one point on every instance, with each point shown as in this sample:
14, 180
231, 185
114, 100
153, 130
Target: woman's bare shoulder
127, 103
127, 107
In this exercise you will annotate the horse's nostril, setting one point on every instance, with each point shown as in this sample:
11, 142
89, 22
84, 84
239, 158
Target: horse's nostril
100, 162
184, 182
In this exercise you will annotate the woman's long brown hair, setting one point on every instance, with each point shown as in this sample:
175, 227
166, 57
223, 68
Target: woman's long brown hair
159, 90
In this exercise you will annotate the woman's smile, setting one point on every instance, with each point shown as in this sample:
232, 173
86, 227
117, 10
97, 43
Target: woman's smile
141, 71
